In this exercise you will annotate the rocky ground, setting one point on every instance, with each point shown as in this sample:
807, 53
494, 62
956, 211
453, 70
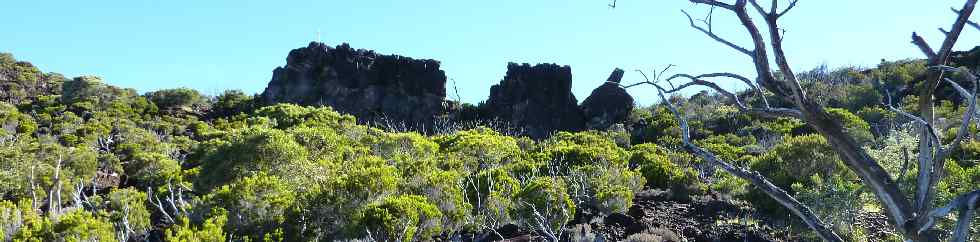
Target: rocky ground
699, 218
660, 216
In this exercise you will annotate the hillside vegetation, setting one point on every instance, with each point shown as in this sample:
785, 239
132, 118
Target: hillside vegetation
81, 160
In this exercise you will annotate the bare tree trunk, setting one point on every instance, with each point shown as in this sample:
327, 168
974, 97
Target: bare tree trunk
912, 218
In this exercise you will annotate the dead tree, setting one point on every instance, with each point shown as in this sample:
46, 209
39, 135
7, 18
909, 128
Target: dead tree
912, 215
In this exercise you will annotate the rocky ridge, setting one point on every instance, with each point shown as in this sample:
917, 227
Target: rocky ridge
411, 92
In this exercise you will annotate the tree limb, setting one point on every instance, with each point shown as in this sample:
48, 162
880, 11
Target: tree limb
967, 204
761, 182
715, 3
923, 46
714, 36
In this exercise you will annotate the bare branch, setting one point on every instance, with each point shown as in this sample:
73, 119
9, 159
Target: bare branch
963, 17
970, 112
761, 182
967, 205
792, 4
759, 9
923, 45
714, 36
933, 134
699, 81
715, 3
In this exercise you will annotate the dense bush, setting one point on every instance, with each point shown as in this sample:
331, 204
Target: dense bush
802, 160
174, 99
545, 204
399, 218
658, 169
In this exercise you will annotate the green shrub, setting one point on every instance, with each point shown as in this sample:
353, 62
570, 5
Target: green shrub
545, 202
366, 178
492, 192
79, 225
480, 148
11, 219
657, 169
130, 205
291, 115
968, 153
14, 122
399, 218
413, 154
854, 126
152, 169
209, 231
232, 102
445, 190
327, 144
256, 205
177, 98
795, 161
248, 151
81, 88
582, 149
661, 128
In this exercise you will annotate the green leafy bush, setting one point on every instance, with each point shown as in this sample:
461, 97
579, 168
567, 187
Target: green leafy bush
545, 203
854, 126
291, 115
256, 205
79, 225
797, 160
129, 210
249, 151
399, 218
491, 193
209, 231
479, 148
174, 99
152, 169
657, 169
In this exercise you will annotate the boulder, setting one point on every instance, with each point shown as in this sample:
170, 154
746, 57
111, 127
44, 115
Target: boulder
537, 99
389, 89
608, 104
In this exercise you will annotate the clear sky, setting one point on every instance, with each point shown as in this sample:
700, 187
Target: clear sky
215, 45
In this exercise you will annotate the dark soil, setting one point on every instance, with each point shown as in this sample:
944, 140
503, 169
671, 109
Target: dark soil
696, 218
707, 218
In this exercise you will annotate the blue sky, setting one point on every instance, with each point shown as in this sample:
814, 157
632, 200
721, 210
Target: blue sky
235, 44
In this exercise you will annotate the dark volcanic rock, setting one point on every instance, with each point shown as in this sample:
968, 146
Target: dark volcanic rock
370, 86
609, 104
537, 99
969, 59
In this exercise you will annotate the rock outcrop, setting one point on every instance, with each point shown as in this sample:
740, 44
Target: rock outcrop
969, 59
408, 93
370, 86
608, 104
537, 99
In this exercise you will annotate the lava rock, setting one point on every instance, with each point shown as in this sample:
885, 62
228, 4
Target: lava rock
537, 99
372, 87
608, 104
969, 59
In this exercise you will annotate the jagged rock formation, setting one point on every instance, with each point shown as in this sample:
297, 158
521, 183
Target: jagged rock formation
372, 87
609, 103
389, 89
537, 99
